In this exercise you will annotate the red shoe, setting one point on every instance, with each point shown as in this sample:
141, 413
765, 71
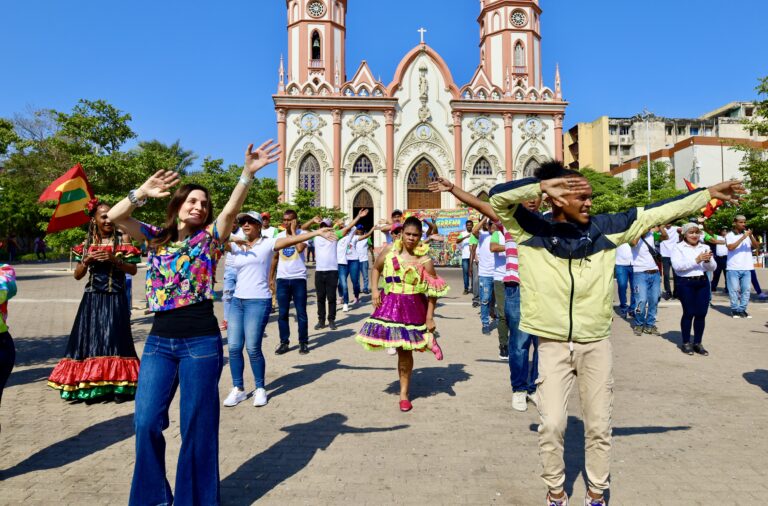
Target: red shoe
437, 350
406, 405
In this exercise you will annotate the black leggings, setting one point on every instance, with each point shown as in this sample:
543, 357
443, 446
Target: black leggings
7, 359
694, 295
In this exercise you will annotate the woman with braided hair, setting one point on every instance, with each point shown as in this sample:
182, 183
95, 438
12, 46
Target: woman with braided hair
100, 361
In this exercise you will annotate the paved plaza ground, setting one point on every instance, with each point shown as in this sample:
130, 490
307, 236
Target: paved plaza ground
687, 430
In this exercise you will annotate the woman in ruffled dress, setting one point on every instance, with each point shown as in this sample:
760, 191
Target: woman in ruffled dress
403, 317
100, 362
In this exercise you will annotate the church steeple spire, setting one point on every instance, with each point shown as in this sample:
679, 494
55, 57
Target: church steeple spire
558, 85
281, 76
316, 40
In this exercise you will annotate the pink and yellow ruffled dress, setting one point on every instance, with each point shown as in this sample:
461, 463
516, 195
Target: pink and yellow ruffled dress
400, 321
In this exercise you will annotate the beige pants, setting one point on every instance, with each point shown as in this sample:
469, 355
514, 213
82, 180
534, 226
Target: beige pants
558, 368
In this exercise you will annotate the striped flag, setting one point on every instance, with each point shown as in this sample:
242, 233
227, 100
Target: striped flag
712, 205
73, 192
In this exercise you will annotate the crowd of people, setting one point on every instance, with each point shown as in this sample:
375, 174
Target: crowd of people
546, 278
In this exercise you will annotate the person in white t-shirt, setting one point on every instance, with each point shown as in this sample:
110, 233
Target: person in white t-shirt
230, 276
486, 268
721, 259
289, 281
624, 278
647, 281
739, 265
462, 242
362, 247
266, 230
249, 312
669, 240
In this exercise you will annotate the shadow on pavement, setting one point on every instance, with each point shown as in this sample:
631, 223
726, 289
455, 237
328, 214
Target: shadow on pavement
758, 377
29, 376
310, 373
89, 441
263, 472
40, 350
431, 381
574, 445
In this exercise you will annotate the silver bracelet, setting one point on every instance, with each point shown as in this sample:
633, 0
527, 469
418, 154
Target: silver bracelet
245, 181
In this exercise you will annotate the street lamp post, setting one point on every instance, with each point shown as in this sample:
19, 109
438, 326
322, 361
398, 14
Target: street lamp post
647, 115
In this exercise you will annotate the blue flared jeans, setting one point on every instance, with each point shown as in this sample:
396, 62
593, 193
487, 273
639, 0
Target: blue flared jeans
247, 320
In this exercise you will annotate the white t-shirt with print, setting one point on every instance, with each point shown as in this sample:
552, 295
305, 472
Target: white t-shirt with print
252, 266
291, 263
739, 259
362, 250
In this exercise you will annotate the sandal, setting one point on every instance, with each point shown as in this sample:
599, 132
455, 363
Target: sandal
434, 347
405, 405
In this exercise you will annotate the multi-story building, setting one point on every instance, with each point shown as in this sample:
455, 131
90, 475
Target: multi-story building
620, 140
362, 143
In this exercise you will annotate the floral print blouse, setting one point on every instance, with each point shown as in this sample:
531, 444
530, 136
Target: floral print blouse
181, 273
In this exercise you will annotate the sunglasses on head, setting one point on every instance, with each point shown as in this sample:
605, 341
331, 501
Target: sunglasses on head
243, 221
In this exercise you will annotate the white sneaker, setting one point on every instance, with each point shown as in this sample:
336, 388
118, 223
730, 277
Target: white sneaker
532, 399
563, 501
519, 401
260, 397
235, 397
345, 308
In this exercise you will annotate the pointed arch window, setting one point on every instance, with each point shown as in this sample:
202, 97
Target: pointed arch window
519, 57
309, 177
531, 167
482, 168
315, 46
362, 165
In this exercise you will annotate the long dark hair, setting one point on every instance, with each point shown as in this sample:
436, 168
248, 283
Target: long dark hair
93, 229
170, 230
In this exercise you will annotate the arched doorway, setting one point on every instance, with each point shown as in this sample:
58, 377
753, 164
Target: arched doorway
362, 201
531, 167
419, 196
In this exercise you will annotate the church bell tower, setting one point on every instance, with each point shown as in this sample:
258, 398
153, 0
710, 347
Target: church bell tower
316, 40
510, 42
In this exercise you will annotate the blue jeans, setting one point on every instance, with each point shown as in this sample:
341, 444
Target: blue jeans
129, 290
738, 289
486, 290
248, 319
343, 288
295, 289
230, 282
465, 272
647, 292
624, 278
522, 372
354, 273
195, 364
364, 272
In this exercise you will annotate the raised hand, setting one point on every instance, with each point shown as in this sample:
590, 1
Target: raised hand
727, 191
328, 235
559, 188
265, 154
363, 213
440, 185
158, 184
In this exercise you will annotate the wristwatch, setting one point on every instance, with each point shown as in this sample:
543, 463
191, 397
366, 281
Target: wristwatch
134, 200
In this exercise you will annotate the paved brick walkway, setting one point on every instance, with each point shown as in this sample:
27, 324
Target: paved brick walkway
689, 430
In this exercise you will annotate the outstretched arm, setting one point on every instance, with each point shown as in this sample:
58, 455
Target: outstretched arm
362, 214
290, 240
443, 185
157, 186
255, 160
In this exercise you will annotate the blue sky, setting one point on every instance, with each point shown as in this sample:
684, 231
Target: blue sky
204, 72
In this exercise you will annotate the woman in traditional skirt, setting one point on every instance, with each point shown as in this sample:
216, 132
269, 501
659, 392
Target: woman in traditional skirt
101, 361
403, 318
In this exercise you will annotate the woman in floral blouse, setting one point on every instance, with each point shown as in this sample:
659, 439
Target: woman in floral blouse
184, 345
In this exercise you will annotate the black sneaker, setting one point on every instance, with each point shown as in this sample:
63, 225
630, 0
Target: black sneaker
283, 348
687, 348
332, 325
320, 326
503, 352
700, 350
303, 348
744, 314
736, 314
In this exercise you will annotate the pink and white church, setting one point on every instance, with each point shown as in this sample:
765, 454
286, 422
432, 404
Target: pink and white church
362, 143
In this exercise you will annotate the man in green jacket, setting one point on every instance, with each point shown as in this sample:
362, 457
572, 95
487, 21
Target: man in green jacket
566, 270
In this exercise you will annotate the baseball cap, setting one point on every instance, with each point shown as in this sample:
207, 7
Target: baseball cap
396, 227
250, 214
360, 227
327, 222
397, 211
266, 215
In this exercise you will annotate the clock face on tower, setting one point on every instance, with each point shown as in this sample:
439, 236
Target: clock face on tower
316, 9
518, 19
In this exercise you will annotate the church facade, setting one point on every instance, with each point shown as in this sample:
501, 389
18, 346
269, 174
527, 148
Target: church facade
362, 143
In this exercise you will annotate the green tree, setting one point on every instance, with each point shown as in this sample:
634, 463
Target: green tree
167, 156
608, 192
8, 136
662, 184
95, 125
